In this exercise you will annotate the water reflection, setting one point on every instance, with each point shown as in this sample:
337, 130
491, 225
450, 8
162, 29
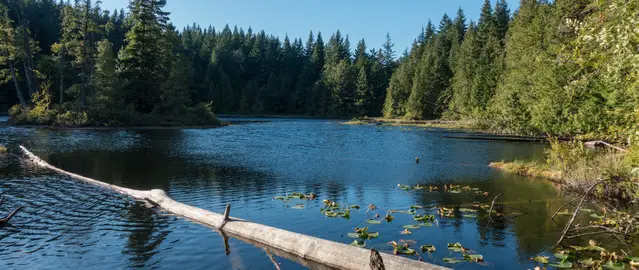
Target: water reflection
246, 165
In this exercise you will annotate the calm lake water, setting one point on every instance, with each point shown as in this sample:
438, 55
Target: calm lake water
68, 224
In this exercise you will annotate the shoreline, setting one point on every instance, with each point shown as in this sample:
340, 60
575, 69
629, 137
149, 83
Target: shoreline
112, 128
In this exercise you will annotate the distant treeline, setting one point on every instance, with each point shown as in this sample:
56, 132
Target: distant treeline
560, 67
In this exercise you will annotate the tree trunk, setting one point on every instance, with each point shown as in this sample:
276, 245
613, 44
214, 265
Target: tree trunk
23, 103
32, 81
62, 64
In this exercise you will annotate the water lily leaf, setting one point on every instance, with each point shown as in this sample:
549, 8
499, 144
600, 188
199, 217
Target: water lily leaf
389, 218
455, 249
373, 235
614, 266
372, 221
467, 210
578, 248
418, 187
353, 235
426, 224
423, 218
330, 214
411, 226
475, 257
451, 260
596, 248
416, 207
596, 216
298, 206
562, 265
561, 256
564, 213
406, 232
405, 251
408, 212
359, 243
454, 191
474, 189
586, 210
541, 259
587, 263
355, 206
281, 198
428, 248
470, 216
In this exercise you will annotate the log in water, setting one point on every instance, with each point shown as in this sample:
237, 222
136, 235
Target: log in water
294, 246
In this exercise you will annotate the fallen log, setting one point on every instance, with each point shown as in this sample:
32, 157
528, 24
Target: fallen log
304, 249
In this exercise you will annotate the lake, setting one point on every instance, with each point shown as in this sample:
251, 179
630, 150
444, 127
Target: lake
68, 224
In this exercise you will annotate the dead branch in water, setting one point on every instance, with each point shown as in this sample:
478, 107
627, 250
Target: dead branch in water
10, 216
490, 212
595, 144
574, 215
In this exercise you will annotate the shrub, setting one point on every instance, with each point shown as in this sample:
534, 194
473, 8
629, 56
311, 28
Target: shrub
71, 118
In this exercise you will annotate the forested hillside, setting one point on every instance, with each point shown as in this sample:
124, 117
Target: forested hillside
84, 65
561, 67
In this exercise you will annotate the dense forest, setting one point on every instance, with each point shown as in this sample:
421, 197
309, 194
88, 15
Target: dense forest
560, 67
71, 63
550, 67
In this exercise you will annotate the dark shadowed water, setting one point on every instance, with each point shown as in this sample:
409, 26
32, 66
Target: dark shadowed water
68, 224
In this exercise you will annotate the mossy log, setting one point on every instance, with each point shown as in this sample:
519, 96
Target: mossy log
304, 249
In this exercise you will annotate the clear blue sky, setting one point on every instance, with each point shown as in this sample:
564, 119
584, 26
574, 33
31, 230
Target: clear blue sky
369, 19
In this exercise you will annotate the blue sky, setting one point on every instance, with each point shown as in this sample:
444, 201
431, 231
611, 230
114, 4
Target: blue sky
369, 19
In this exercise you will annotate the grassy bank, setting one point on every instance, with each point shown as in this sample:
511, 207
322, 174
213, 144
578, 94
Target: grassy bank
577, 168
462, 125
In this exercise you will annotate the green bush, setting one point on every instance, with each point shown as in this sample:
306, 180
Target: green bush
71, 118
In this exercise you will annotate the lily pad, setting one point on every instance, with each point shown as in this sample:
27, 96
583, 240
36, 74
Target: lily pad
596, 216
374, 222
408, 212
470, 216
614, 266
428, 248
454, 191
389, 218
451, 260
330, 214
358, 243
467, 210
561, 256
541, 259
562, 265
587, 263
424, 217
475, 257
426, 224
564, 212
586, 210
416, 207
405, 251
298, 206
281, 198
411, 226
355, 206
455, 247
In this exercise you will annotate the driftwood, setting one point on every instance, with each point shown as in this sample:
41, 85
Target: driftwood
599, 144
300, 248
574, 215
490, 212
377, 263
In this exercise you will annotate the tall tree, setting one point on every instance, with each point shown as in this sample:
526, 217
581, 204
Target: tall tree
140, 63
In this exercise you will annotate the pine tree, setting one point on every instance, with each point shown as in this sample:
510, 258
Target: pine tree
364, 96
140, 63
105, 77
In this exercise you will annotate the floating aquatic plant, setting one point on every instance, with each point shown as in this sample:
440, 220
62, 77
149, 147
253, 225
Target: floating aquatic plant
406, 232
358, 243
428, 248
456, 247
451, 260
363, 233
403, 248
389, 218
411, 226
423, 218
373, 221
